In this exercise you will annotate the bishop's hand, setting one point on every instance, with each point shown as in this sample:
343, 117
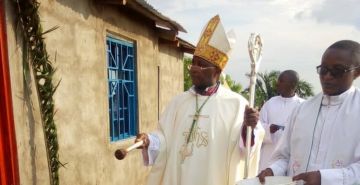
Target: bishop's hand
251, 117
143, 137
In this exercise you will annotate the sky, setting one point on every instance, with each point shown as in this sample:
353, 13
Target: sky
295, 33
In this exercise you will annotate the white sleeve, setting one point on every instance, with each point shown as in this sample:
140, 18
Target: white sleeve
279, 167
150, 155
281, 156
258, 132
275, 137
264, 122
345, 176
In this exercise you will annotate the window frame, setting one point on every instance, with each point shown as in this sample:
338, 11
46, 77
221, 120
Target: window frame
130, 127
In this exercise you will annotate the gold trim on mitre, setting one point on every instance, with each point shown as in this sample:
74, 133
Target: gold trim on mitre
208, 52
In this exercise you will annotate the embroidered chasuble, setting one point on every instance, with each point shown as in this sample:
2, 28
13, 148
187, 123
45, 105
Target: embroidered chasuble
214, 152
323, 134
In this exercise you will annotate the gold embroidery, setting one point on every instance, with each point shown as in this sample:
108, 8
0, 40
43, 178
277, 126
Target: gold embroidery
202, 139
209, 53
193, 133
198, 139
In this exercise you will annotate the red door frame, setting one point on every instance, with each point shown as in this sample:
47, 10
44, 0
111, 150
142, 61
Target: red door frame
9, 169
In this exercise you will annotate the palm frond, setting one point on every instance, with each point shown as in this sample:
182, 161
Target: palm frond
31, 30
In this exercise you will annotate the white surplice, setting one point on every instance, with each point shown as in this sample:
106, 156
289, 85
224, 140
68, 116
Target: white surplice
324, 135
276, 111
218, 154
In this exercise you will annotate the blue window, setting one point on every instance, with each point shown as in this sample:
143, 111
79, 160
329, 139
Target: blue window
122, 88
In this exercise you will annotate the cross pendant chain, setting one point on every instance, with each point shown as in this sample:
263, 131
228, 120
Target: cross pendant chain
186, 151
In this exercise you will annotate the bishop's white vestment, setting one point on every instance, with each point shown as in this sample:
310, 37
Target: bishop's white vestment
276, 110
217, 150
324, 135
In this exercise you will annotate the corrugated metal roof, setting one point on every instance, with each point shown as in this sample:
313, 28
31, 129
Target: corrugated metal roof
167, 28
189, 48
150, 8
144, 8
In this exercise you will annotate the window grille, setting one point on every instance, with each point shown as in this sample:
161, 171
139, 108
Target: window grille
122, 88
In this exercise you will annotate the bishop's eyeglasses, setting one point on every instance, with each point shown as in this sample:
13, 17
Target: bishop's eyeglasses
336, 72
196, 67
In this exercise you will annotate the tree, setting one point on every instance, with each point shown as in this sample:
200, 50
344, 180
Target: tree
230, 83
304, 89
187, 78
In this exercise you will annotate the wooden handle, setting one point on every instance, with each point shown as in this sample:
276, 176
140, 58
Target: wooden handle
135, 145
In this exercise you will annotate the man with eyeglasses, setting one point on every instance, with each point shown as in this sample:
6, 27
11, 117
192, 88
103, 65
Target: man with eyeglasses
199, 137
321, 145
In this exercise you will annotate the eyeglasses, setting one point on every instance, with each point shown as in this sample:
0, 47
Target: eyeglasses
335, 72
199, 67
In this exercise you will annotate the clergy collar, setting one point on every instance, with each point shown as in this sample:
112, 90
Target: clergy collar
208, 91
338, 99
288, 98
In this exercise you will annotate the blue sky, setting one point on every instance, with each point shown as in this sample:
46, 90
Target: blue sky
295, 32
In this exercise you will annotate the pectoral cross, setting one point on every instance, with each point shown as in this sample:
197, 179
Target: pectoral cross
196, 117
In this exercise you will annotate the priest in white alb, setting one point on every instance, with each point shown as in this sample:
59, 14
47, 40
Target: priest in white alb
321, 144
275, 113
199, 140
